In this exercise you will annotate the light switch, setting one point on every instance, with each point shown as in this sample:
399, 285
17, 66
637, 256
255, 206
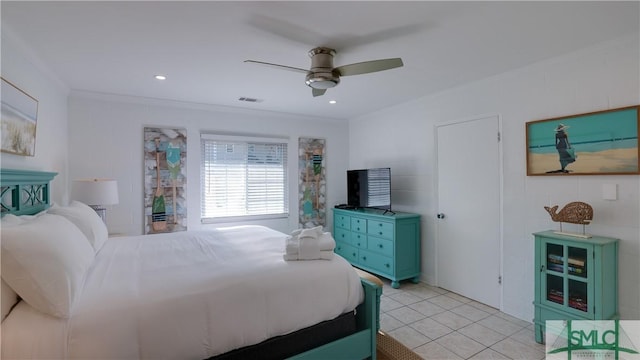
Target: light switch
610, 191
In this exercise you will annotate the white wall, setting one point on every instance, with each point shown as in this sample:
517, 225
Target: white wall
23, 70
106, 134
599, 78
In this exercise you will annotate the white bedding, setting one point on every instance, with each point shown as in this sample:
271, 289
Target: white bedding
188, 295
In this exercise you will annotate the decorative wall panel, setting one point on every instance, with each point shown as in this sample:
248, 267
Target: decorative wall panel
165, 180
312, 184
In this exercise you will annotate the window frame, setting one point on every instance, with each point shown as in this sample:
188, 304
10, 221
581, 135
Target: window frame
246, 140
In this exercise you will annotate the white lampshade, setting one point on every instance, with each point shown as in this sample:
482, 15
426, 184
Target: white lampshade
95, 191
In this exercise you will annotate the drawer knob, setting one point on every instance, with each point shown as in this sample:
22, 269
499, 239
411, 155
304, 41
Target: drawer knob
380, 232
387, 265
380, 246
380, 225
364, 258
358, 244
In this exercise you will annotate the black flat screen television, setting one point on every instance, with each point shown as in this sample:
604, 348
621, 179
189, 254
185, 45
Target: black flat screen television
369, 188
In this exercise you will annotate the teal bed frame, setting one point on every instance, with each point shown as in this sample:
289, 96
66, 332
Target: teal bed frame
362, 344
27, 192
24, 192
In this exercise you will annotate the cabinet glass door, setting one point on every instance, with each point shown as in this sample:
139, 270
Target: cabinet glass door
555, 289
565, 276
577, 261
578, 295
577, 272
555, 258
555, 269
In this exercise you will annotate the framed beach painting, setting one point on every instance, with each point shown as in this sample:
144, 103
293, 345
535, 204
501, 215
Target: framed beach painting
19, 116
597, 143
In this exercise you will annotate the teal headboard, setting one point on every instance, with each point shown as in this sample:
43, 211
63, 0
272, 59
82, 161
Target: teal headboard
24, 192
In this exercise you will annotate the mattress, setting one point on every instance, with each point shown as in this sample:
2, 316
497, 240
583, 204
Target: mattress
286, 346
187, 295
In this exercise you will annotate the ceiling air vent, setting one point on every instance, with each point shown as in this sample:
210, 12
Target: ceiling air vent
248, 99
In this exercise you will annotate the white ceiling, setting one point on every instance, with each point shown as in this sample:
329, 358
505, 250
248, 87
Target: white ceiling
117, 47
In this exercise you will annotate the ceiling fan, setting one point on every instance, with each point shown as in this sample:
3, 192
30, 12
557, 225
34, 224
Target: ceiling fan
323, 75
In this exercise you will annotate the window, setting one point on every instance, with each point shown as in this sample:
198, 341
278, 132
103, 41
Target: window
243, 176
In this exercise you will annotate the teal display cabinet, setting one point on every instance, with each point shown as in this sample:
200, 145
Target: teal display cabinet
576, 279
383, 243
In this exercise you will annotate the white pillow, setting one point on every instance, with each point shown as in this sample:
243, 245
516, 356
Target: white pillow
10, 219
86, 219
8, 298
45, 261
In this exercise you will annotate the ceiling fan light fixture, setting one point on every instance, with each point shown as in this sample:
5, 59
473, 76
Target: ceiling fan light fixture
322, 80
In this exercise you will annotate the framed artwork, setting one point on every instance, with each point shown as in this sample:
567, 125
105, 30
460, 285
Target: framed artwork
597, 143
165, 180
312, 183
19, 112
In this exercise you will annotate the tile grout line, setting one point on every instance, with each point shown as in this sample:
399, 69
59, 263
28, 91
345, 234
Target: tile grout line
454, 302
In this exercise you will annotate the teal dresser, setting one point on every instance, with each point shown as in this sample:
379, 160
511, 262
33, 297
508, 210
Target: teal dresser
384, 244
575, 279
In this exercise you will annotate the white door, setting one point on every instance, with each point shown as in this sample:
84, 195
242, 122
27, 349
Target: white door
469, 211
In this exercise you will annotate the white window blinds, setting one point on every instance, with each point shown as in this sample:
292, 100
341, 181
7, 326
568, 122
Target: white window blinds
243, 177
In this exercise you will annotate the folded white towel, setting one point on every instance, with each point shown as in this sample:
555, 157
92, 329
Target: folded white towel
311, 233
292, 245
324, 255
309, 248
325, 242
309, 244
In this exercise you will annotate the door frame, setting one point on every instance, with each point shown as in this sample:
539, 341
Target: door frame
500, 192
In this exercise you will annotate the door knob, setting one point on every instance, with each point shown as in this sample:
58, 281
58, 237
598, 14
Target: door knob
440, 216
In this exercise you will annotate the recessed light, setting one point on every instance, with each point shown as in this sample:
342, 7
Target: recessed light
332, 101
160, 77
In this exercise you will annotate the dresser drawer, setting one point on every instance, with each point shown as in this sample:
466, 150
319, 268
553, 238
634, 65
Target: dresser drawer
348, 252
379, 245
342, 221
359, 240
375, 261
342, 235
380, 229
359, 225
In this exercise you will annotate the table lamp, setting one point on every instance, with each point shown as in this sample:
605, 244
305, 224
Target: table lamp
96, 193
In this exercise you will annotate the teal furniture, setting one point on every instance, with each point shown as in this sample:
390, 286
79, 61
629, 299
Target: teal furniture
24, 192
382, 243
576, 279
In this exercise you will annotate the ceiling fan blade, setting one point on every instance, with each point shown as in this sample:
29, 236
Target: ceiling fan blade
277, 66
369, 66
318, 92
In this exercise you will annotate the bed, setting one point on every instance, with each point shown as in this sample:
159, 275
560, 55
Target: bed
220, 294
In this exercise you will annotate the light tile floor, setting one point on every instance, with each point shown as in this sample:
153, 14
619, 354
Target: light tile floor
439, 324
